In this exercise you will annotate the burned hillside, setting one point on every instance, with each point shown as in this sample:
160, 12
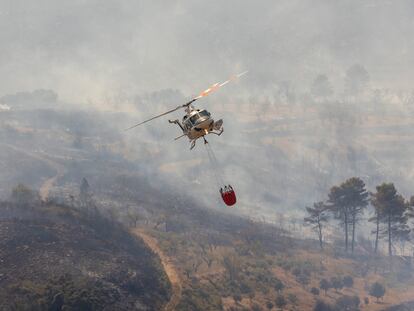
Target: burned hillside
56, 255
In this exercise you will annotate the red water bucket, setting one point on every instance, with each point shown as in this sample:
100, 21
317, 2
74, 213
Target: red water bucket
228, 195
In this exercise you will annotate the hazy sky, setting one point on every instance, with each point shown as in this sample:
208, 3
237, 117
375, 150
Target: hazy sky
88, 50
96, 52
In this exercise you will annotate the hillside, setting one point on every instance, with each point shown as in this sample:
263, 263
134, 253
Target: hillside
215, 261
54, 257
251, 268
124, 123
228, 262
219, 259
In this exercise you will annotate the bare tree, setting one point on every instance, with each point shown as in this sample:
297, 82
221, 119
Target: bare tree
347, 201
393, 211
317, 217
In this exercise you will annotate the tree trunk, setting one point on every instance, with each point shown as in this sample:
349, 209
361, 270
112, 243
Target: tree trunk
389, 236
346, 232
353, 230
320, 234
377, 235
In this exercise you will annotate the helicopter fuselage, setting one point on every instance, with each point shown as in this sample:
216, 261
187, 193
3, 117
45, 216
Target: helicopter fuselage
197, 123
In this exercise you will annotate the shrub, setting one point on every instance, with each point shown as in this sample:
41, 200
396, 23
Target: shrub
279, 286
348, 281
325, 285
337, 283
286, 265
237, 298
23, 195
322, 306
245, 288
345, 303
296, 271
303, 279
314, 291
293, 299
256, 307
377, 290
199, 299
280, 301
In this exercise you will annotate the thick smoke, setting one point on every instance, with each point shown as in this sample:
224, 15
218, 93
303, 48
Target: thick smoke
327, 96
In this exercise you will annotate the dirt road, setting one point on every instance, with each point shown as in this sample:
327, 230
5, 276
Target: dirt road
168, 266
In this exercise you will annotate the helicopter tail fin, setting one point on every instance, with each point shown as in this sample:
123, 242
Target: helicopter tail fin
218, 124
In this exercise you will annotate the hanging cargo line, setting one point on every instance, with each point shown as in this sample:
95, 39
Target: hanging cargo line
227, 192
214, 163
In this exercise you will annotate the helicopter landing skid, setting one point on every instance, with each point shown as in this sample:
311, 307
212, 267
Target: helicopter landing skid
193, 142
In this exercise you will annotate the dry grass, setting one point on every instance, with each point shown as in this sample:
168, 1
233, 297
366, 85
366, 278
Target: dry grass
186, 252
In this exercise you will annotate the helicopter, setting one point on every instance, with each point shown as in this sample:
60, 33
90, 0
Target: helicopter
196, 123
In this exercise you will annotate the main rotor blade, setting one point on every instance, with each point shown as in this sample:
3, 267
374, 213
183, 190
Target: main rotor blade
160, 115
202, 94
216, 86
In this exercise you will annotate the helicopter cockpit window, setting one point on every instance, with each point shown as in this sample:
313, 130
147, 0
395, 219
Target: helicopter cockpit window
187, 124
194, 118
204, 113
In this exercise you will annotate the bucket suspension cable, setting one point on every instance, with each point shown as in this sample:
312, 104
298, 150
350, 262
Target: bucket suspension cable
226, 191
214, 163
